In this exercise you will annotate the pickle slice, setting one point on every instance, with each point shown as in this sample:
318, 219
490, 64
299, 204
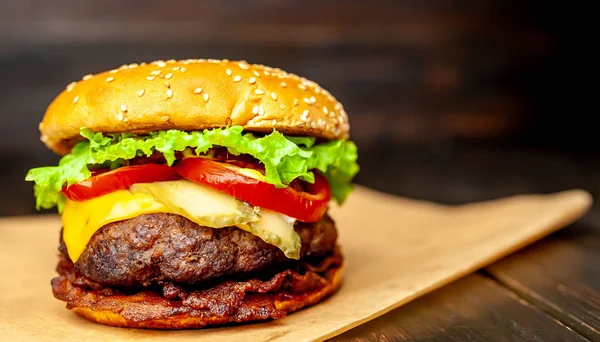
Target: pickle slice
200, 204
278, 230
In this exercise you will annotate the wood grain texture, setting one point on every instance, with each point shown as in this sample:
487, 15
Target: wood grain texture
388, 264
474, 308
560, 275
309, 22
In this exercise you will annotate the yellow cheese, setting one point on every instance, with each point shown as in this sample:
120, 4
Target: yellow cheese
251, 173
81, 220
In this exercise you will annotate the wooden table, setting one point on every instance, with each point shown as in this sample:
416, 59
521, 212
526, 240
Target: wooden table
549, 291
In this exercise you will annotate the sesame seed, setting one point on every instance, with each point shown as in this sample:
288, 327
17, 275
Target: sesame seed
110, 79
114, 71
228, 72
282, 106
167, 84
161, 64
307, 100
75, 99
197, 90
296, 102
261, 110
313, 124
259, 91
255, 110
86, 77
70, 86
206, 97
171, 61
155, 73
165, 118
325, 110
237, 78
256, 73
120, 116
168, 76
274, 96
283, 85
252, 80
244, 66
124, 108
169, 93
150, 78
176, 68
182, 69
141, 92
132, 65
313, 99
302, 86
274, 122
267, 72
305, 113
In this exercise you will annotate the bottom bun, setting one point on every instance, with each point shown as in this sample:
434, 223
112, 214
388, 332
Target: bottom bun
253, 300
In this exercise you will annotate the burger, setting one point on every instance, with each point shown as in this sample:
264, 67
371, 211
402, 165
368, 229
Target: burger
195, 193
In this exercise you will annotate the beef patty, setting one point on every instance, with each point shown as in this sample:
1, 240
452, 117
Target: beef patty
158, 248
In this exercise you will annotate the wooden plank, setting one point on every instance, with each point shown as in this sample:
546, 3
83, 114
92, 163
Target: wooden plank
312, 22
472, 308
560, 275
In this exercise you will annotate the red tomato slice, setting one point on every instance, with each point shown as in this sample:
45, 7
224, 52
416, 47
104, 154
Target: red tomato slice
304, 206
103, 182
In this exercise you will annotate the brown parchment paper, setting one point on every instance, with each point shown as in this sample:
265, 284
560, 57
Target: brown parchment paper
396, 250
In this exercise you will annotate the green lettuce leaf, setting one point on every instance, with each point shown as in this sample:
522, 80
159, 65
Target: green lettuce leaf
285, 158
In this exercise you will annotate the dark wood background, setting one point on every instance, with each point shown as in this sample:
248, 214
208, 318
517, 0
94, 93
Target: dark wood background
449, 100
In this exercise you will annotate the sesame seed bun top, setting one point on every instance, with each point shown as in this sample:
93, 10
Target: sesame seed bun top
192, 95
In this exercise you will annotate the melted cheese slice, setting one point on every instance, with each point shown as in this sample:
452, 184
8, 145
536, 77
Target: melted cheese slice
81, 220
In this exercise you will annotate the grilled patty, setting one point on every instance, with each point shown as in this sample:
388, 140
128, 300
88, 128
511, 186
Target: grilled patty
158, 248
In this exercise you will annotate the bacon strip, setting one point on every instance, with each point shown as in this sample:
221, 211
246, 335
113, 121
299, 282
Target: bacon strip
228, 301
